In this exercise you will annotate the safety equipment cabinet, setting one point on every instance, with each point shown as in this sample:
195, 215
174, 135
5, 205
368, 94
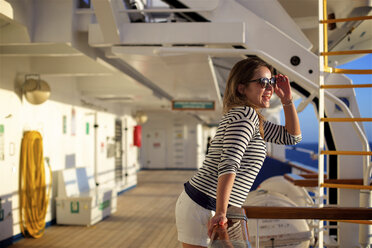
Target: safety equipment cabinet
80, 201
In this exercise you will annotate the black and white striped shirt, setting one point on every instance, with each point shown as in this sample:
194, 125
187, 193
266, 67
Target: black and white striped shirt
238, 148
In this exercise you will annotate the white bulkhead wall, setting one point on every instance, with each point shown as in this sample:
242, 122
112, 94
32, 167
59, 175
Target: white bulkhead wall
67, 128
172, 141
9, 174
106, 138
130, 153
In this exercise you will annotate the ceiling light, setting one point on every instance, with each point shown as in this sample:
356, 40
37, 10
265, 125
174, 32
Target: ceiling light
36, 91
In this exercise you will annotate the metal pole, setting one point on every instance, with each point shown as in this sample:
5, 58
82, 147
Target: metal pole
322, 63
257, 237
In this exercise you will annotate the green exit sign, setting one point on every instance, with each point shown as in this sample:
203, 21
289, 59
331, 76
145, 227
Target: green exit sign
193, 105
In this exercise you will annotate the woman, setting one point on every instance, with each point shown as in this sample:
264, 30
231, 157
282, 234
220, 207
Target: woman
237, 151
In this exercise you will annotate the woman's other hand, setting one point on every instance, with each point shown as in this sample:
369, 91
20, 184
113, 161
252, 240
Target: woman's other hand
217, 219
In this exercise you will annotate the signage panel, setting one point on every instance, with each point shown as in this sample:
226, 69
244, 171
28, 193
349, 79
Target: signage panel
193, 105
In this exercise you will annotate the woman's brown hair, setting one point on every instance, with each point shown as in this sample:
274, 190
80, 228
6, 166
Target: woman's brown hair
241, 73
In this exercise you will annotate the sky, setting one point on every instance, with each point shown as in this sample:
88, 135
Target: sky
308, 119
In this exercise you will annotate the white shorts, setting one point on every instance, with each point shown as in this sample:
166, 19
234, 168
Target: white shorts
191, 221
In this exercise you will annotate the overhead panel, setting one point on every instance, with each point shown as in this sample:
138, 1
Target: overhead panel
182, 76
173, 33
40, 50
68, 66
106, 21
11, 31
280, 19
6, 10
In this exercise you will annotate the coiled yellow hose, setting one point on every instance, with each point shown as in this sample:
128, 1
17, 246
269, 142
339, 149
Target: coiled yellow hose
33, 199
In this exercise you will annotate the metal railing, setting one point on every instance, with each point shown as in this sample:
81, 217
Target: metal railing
324, 68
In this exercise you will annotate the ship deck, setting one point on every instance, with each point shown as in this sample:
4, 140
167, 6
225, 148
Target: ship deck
144, 218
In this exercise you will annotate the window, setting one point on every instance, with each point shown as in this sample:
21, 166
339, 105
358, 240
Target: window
84, 4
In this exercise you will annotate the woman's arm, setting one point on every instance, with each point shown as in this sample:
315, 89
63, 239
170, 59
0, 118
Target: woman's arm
224, 187
283, 91
236, 137
292, 124
278, 134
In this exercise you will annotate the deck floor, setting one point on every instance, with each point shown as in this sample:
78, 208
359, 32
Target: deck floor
144, 218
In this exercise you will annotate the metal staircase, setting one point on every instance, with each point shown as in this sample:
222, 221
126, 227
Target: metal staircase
364, 230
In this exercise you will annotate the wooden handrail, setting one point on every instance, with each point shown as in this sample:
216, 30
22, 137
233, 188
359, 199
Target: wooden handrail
236, 230
366, 153
312, 176
313, 182
326, 213
345, 186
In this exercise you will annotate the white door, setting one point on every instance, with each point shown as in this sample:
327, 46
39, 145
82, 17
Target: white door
156, 158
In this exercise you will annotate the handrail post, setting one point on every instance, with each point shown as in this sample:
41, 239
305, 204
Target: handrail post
257, 234
323, 63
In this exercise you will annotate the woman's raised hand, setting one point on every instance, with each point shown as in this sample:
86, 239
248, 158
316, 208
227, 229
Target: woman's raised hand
283, 88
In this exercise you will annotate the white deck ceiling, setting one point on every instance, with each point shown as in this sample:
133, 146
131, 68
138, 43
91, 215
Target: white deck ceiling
178, 76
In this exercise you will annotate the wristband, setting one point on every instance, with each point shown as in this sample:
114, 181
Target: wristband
290, 102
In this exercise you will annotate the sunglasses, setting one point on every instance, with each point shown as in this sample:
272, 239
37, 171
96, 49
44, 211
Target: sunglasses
265, 82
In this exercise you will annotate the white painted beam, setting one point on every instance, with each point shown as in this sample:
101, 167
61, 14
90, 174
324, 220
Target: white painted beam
307, 22
68, 66
122, 66
52, 21
47, 50
112, 92
274, 13
205, 4
116, 51
14, 33
11, 31
6, 10
156, 10
174, 33
106, 17
113, 85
